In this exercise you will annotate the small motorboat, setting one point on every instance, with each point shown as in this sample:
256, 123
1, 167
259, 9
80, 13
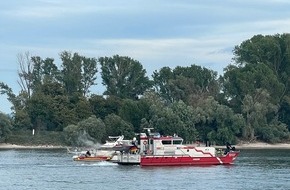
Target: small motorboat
106, 152
93, 156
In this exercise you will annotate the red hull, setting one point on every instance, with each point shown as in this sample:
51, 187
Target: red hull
92, 158
174, 160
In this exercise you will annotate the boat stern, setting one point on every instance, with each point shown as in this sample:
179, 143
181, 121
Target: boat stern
229, 158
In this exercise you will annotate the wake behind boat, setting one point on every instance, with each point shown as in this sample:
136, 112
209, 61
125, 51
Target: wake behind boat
157, 150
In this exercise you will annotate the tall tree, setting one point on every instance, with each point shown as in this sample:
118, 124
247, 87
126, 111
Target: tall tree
261, 120
78, 73
89, 71
71, 72
44, 72
188, 84
25, 73
241, 81
123, 77
272, 51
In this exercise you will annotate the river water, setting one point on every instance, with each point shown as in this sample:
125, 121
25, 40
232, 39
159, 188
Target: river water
54, 169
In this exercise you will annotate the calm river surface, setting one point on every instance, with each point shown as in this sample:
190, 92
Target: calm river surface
54, 169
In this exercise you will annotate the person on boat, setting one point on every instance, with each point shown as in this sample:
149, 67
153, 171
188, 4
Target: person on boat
88, 153
228, 147
134, 150
134, 141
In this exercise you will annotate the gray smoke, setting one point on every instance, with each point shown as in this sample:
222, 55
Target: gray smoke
85, 140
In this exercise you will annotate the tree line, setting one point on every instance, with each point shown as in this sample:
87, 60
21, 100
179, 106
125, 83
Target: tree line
251, 101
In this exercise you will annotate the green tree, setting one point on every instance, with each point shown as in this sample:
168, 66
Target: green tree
12, 98
187, 117
261, 118
89, 72
102, 106
168, 118
95, 128
133, 111
117, 126
217, 123
25, 73
50, 109
241, 81
272, 51
123, 77
38, 108
71, 133
88, 132
71, 72
82, 108
5, 127
188, 84
161, 80
176, 118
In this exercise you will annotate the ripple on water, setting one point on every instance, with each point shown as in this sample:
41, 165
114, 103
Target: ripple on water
42, 169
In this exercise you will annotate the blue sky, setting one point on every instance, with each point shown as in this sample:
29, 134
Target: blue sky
157, 33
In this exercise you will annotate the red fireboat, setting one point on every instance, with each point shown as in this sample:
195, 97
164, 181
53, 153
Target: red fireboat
157, 150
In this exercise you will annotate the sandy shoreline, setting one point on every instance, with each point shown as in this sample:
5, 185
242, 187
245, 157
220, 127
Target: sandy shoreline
14, 146
256, 145
260, 145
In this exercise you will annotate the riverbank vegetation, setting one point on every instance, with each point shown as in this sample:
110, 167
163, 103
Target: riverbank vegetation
251, 101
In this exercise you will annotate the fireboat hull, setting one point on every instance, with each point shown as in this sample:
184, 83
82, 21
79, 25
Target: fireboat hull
176, 160
185, 160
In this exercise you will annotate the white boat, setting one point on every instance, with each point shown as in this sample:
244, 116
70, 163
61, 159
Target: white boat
106, 152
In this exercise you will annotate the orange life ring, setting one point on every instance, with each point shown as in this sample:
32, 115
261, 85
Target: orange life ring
145, 142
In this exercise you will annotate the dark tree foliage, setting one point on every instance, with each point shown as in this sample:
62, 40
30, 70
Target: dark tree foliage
133, 111
188, 84
116, 126
105, 105
251, 101
123, 77
51, 98
71, 72
5, 127
263, 64
240, 81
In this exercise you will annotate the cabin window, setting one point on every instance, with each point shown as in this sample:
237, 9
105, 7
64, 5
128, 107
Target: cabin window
177, 141
166, 142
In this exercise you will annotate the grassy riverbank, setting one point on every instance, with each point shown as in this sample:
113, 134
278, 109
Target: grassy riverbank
41, 139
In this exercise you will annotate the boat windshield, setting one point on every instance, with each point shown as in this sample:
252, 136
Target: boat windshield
179, 141
154, 135
164, 142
